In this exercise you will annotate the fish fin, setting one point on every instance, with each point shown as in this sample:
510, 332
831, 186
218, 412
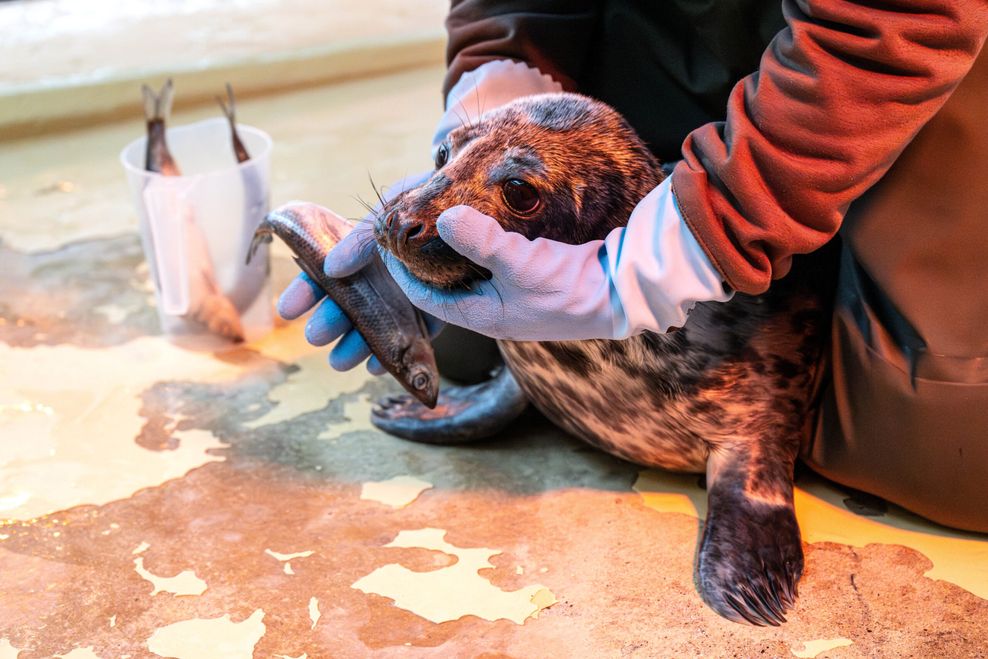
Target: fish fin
314, 276
150, 103
218, 314
229, 111
215, 310
263, 234
462, 414
158, 106
165, 98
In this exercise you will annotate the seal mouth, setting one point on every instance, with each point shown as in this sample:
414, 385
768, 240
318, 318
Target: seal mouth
417, 244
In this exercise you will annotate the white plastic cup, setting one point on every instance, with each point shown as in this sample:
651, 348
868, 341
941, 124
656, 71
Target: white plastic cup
196, 228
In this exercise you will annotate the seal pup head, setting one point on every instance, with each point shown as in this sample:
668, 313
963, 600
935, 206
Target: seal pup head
558, 166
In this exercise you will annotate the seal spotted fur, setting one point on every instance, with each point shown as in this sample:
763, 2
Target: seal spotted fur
729, 395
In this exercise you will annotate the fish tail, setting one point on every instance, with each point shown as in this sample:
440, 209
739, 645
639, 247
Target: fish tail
158, 107
230, 110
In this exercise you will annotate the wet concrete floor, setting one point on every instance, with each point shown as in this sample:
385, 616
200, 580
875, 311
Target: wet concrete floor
157, 501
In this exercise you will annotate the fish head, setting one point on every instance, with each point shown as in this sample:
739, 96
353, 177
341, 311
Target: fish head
310, 230
421, 373
559, 166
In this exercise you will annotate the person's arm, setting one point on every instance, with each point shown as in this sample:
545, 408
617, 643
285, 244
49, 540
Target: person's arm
501, 50
548, 35
838, 95
646, 276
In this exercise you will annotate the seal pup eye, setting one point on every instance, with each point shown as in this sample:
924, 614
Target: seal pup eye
521, 197
442, 155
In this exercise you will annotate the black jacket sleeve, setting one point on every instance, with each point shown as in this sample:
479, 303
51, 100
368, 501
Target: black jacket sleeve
551, 35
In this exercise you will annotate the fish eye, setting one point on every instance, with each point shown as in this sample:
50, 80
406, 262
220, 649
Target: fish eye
420, 381
520, 196
442, 155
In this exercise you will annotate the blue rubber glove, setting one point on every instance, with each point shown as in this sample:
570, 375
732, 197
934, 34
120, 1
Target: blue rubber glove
646, 276
328, 322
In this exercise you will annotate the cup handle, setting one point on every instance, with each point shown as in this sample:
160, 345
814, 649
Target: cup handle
167, 208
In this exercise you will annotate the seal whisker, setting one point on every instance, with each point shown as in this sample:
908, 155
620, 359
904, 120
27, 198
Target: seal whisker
456, 301
479, 105
365, 243
484, 275
464, 118
376, 191
359, 200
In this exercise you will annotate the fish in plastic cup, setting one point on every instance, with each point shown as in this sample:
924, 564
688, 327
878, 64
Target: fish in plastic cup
196, 230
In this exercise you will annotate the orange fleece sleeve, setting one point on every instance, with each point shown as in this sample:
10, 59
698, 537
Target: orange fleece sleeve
838, 95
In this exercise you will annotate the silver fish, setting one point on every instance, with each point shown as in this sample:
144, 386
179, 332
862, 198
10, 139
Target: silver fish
251, 280
157, 107
393, 328
230, 111
210, 306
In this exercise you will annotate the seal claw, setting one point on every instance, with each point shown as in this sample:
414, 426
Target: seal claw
742, 610
750, 557
778, 606
771, 607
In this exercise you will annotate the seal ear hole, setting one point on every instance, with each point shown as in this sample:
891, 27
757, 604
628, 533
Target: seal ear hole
442, 155
520, 196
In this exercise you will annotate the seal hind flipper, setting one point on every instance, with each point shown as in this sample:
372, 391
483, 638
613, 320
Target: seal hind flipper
462, 414
751, 556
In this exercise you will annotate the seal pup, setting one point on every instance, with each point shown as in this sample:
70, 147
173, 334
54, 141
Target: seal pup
730, 394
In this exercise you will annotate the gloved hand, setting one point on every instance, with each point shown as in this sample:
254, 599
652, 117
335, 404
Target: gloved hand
646, 276
490, 85
328, 322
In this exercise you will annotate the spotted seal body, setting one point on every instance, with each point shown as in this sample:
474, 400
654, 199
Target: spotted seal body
729, 395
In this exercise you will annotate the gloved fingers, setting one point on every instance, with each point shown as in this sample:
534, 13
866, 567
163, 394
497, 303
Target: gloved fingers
298, 297
374, 366
349, 351
327, 323
427, 298
481, 239
470, 309
353, 252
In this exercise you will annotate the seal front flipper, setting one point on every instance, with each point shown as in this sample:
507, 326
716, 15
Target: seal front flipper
751, 555
461, 415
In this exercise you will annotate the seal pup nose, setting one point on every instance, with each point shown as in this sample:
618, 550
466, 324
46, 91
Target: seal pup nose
389, 219
407, 231
402, 231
